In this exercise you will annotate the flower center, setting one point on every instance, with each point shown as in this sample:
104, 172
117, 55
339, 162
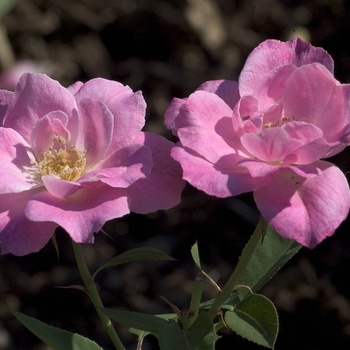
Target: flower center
283, 120
67, 164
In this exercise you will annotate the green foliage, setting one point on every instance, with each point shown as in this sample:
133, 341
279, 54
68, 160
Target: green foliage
169, 332
208, 342
172, 337
137, 254
250, 315
57, 338
254, 318
138, 320
268, 257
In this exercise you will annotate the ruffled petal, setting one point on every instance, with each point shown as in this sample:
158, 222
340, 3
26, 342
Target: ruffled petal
322, 101
227, 90
274, 53
172, 112
273, 145
59, 187
19, 235
205, 125
17, 173
47, 129
98, 126
81, 214
162, 188
306, 210
122, 168
269, 90
215, 180
128, 108
37, 95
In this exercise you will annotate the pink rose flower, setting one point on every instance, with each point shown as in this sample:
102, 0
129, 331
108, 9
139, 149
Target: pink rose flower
267, 134
76, 158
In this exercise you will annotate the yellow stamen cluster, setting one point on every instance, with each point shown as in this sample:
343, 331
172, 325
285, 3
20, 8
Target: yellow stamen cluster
283, 120
67, 164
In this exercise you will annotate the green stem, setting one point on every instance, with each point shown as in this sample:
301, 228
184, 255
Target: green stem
243, 262
94, 296
195, 301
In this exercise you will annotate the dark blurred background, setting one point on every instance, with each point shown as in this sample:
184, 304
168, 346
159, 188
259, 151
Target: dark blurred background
167, 48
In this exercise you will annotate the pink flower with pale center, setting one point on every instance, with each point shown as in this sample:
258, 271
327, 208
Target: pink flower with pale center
76, 158
267, 134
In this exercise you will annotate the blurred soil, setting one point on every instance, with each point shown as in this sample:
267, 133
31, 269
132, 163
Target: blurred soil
167, 48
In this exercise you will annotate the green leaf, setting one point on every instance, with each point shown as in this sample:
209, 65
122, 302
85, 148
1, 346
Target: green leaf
57, 338
267, 259
195, 255
171, 337
196, 259
201, 327
208, 342
138, 320
141, 334
255, 318
137, 254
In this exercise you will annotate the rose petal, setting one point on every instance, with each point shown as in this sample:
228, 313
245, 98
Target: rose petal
98, 126
273, 145
172, 112
162, 188
18, 235
127, 107
36, 95
213, 179
322, 101
46, 130
274, 53
16, 170
269, 89
227, 90
204, 124
81, 214
306, 210
123, 167
60, 188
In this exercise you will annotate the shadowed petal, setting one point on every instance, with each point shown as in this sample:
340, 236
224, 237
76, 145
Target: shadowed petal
19, 235
16, 171
214, 180
162, 188
123, 167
